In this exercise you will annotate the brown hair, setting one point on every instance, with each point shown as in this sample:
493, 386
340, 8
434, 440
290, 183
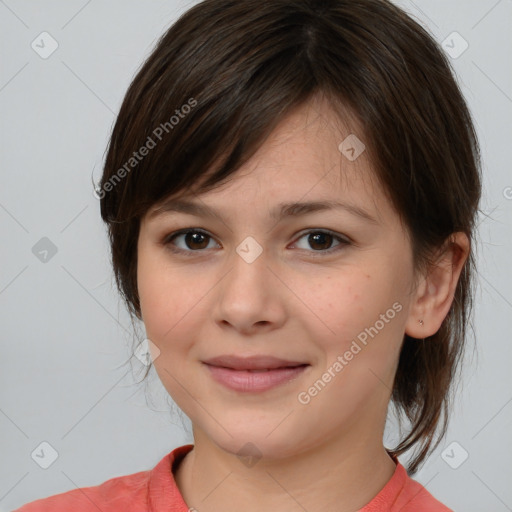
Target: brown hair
222, 77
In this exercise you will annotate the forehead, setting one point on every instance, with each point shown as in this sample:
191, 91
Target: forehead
314, 138
303, 159
312, 152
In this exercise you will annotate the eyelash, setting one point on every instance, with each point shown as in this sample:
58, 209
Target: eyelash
170, 238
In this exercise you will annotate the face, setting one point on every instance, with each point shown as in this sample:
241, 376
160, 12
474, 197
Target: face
329, 288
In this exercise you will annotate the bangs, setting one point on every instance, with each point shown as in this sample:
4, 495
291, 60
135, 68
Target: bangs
201, 106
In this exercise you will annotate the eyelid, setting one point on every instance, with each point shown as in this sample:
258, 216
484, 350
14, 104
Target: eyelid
167, 241
340, 236
344, 240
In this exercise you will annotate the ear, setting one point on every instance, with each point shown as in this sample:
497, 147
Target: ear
434, 293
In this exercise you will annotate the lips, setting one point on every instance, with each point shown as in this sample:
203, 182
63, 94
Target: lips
258, 363
256, 380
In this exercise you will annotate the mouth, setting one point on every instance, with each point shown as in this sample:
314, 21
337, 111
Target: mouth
265, 369
253, 374
253, 363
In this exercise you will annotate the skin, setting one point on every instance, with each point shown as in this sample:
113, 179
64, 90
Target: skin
298, 300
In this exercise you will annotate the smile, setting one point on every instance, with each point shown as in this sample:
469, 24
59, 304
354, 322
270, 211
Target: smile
255, 380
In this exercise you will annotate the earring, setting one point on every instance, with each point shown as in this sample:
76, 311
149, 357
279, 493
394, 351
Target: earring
421, 322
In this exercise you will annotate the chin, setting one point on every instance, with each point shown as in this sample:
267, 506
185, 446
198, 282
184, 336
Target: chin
257, 443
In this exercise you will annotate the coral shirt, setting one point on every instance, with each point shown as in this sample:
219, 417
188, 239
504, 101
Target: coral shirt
156, 491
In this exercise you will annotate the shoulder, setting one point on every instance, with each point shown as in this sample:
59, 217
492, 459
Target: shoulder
120, 493
153, 489
415, 498
403, 494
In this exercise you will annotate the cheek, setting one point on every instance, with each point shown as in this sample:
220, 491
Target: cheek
164, 296
360, 308
168, 306
341, 305
165, 304
174, 306
359, 335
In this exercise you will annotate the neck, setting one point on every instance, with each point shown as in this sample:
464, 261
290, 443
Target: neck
339, 474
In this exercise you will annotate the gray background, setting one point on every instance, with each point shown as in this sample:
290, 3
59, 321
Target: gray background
65, 373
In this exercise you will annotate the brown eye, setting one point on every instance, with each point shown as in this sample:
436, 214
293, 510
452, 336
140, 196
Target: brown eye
191, 240
196, 240
320, 241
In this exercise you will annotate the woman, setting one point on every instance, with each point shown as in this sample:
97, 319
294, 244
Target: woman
290, 190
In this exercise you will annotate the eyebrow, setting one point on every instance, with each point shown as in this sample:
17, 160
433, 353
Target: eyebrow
282, 211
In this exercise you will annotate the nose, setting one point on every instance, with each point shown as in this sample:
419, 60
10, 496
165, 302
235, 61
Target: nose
251, 297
